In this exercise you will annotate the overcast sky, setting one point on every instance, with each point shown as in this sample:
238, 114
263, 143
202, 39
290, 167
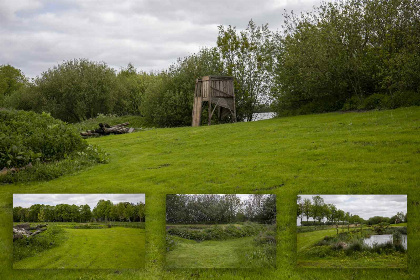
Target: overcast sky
366, 206
151, 34
26, 200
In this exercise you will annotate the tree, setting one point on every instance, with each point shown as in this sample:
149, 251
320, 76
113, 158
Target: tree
307, 208
141, 211
300, 208
85, 213
169, 99
317, 208
77, 90
248, 57
11, 80
349, 54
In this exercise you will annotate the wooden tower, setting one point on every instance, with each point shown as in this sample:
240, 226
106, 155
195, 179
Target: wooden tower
217, 92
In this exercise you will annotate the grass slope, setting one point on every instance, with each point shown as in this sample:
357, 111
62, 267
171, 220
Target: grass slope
111, 248
352, 153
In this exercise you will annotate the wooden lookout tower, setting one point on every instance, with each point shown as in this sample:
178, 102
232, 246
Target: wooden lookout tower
217, 92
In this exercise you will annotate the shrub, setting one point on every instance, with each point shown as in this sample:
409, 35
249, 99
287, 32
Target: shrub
26, 137
170, 243
375, 101
53, 147
217, 232
29, 246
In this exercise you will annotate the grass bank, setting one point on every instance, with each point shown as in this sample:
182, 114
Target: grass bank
310, 253
374, 152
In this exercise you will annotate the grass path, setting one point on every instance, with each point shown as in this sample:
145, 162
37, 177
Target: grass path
307, 239
113, 248
208, 254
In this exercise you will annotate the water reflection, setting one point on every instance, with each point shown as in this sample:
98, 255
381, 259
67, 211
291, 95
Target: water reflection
262, 116
385, 238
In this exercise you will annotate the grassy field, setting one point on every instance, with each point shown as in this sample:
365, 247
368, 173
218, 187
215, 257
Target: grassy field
374, 152
108, 248
305, 257
232, 253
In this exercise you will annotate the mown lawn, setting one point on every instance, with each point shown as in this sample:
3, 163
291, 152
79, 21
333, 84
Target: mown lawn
374, 152
232, 253
109, 248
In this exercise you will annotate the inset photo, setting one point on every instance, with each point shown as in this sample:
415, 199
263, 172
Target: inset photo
82, 231
352, 231
220, 230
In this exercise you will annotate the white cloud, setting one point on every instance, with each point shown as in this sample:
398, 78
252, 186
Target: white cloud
367, 206
36, 35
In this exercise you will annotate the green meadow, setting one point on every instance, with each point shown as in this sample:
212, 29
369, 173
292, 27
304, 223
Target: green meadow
374, 152
84, 248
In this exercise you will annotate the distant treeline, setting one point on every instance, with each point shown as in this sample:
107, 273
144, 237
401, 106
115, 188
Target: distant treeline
219, 209
104, 210
346, 55
328, 214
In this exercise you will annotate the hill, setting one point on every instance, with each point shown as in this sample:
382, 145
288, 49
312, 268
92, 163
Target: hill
375, 152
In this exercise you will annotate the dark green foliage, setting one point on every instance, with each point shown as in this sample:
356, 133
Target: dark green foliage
168, 100
47, 171
11, 80
52, 147
105, 210
29, 246
214, 209
248, 56
351, 55
170, 243
27, 137
217, 232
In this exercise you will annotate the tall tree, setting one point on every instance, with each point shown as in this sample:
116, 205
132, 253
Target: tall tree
248, 57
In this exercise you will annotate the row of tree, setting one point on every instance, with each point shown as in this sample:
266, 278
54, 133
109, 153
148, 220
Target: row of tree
216, 209
322, 213
349, 54
104, 210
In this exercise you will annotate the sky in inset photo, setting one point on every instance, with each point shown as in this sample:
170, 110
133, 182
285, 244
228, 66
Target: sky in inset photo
26, 200
366, 206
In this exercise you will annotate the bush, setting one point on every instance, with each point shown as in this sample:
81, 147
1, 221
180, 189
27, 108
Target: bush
217, 232
52, 147
170, 243
26, 137
29, 246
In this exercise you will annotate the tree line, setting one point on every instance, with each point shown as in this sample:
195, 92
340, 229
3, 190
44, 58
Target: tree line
322, 213
219, 209
104, 211
345, 55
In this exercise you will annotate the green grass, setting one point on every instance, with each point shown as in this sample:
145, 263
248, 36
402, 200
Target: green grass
234, 253
374, 152
109, 248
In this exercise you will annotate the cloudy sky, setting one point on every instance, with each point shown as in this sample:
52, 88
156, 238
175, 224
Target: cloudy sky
26, 200
151, 34
366, 206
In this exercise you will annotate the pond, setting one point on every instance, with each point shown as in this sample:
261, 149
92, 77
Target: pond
385, 238
262, 116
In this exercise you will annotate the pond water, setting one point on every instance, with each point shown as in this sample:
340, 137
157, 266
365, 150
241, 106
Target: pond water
262, 116
382, 239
